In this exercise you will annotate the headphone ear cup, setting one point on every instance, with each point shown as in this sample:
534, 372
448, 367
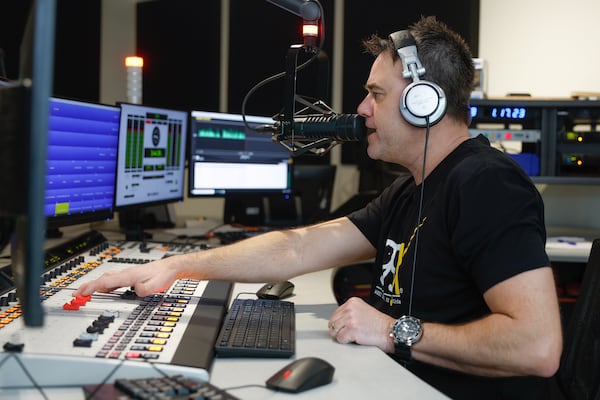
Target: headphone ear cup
422, 99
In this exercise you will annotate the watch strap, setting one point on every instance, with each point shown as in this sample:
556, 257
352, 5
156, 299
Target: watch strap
402, 353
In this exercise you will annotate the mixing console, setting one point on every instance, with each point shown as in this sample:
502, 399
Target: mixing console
110, 335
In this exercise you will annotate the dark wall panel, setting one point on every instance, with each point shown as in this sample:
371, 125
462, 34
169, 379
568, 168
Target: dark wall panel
77, 45
11, 33
77, 49
180, 41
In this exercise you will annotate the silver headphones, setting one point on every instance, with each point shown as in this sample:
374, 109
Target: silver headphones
423, 103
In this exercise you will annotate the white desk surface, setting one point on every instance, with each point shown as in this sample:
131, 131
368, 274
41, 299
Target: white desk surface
360, 371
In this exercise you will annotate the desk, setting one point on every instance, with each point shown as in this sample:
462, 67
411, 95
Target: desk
361, 372
576, 250
576, 253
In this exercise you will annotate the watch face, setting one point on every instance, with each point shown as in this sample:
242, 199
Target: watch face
407, 330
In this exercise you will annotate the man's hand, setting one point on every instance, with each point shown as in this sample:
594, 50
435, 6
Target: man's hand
355, 321
148, 278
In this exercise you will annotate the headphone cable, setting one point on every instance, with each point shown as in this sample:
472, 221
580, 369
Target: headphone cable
419, 215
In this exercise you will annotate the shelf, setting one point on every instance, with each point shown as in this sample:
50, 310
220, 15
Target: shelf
560, 135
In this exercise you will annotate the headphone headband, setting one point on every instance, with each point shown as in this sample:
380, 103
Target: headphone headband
406, 47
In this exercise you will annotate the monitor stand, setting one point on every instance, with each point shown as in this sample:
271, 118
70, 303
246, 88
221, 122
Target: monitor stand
134, 221
135, 233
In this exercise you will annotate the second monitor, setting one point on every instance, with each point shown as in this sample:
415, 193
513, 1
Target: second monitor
229, 159
150, 162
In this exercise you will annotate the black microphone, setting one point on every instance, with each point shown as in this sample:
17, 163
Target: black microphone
338, 127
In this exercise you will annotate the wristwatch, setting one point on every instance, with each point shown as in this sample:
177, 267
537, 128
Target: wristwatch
405, 332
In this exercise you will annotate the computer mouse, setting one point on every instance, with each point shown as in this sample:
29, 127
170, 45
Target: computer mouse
276, 291
302, 374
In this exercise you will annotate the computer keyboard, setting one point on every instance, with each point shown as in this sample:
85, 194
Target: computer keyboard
258, 328
171, 387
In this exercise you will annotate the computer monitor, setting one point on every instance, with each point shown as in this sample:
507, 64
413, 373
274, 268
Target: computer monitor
23, 127
231, 160
150, 163
81, 162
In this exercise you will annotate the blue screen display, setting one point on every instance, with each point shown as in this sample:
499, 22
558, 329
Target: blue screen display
81, 161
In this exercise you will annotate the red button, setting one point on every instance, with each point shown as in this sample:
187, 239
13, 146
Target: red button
79, 300
70, 306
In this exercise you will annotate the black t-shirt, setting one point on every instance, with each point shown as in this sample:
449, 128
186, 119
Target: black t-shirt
482, 222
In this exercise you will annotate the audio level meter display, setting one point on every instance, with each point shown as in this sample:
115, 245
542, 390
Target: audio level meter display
151, 160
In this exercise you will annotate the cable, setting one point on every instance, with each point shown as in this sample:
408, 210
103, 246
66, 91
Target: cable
282, 74
237, 296
419, 214
250, 385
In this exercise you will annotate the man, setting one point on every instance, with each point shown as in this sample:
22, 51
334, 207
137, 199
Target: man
462, 291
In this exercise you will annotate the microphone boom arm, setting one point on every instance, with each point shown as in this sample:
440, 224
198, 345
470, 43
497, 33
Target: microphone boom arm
286, 119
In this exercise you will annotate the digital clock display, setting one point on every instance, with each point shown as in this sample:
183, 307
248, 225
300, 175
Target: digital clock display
515, 113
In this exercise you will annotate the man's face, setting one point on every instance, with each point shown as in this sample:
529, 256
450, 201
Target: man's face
380, 108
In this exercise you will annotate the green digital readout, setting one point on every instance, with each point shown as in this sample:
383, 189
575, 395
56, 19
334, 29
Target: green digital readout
154, 153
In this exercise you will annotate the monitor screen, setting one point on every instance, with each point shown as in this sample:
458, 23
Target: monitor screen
151, 156
81, 162
228, 158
